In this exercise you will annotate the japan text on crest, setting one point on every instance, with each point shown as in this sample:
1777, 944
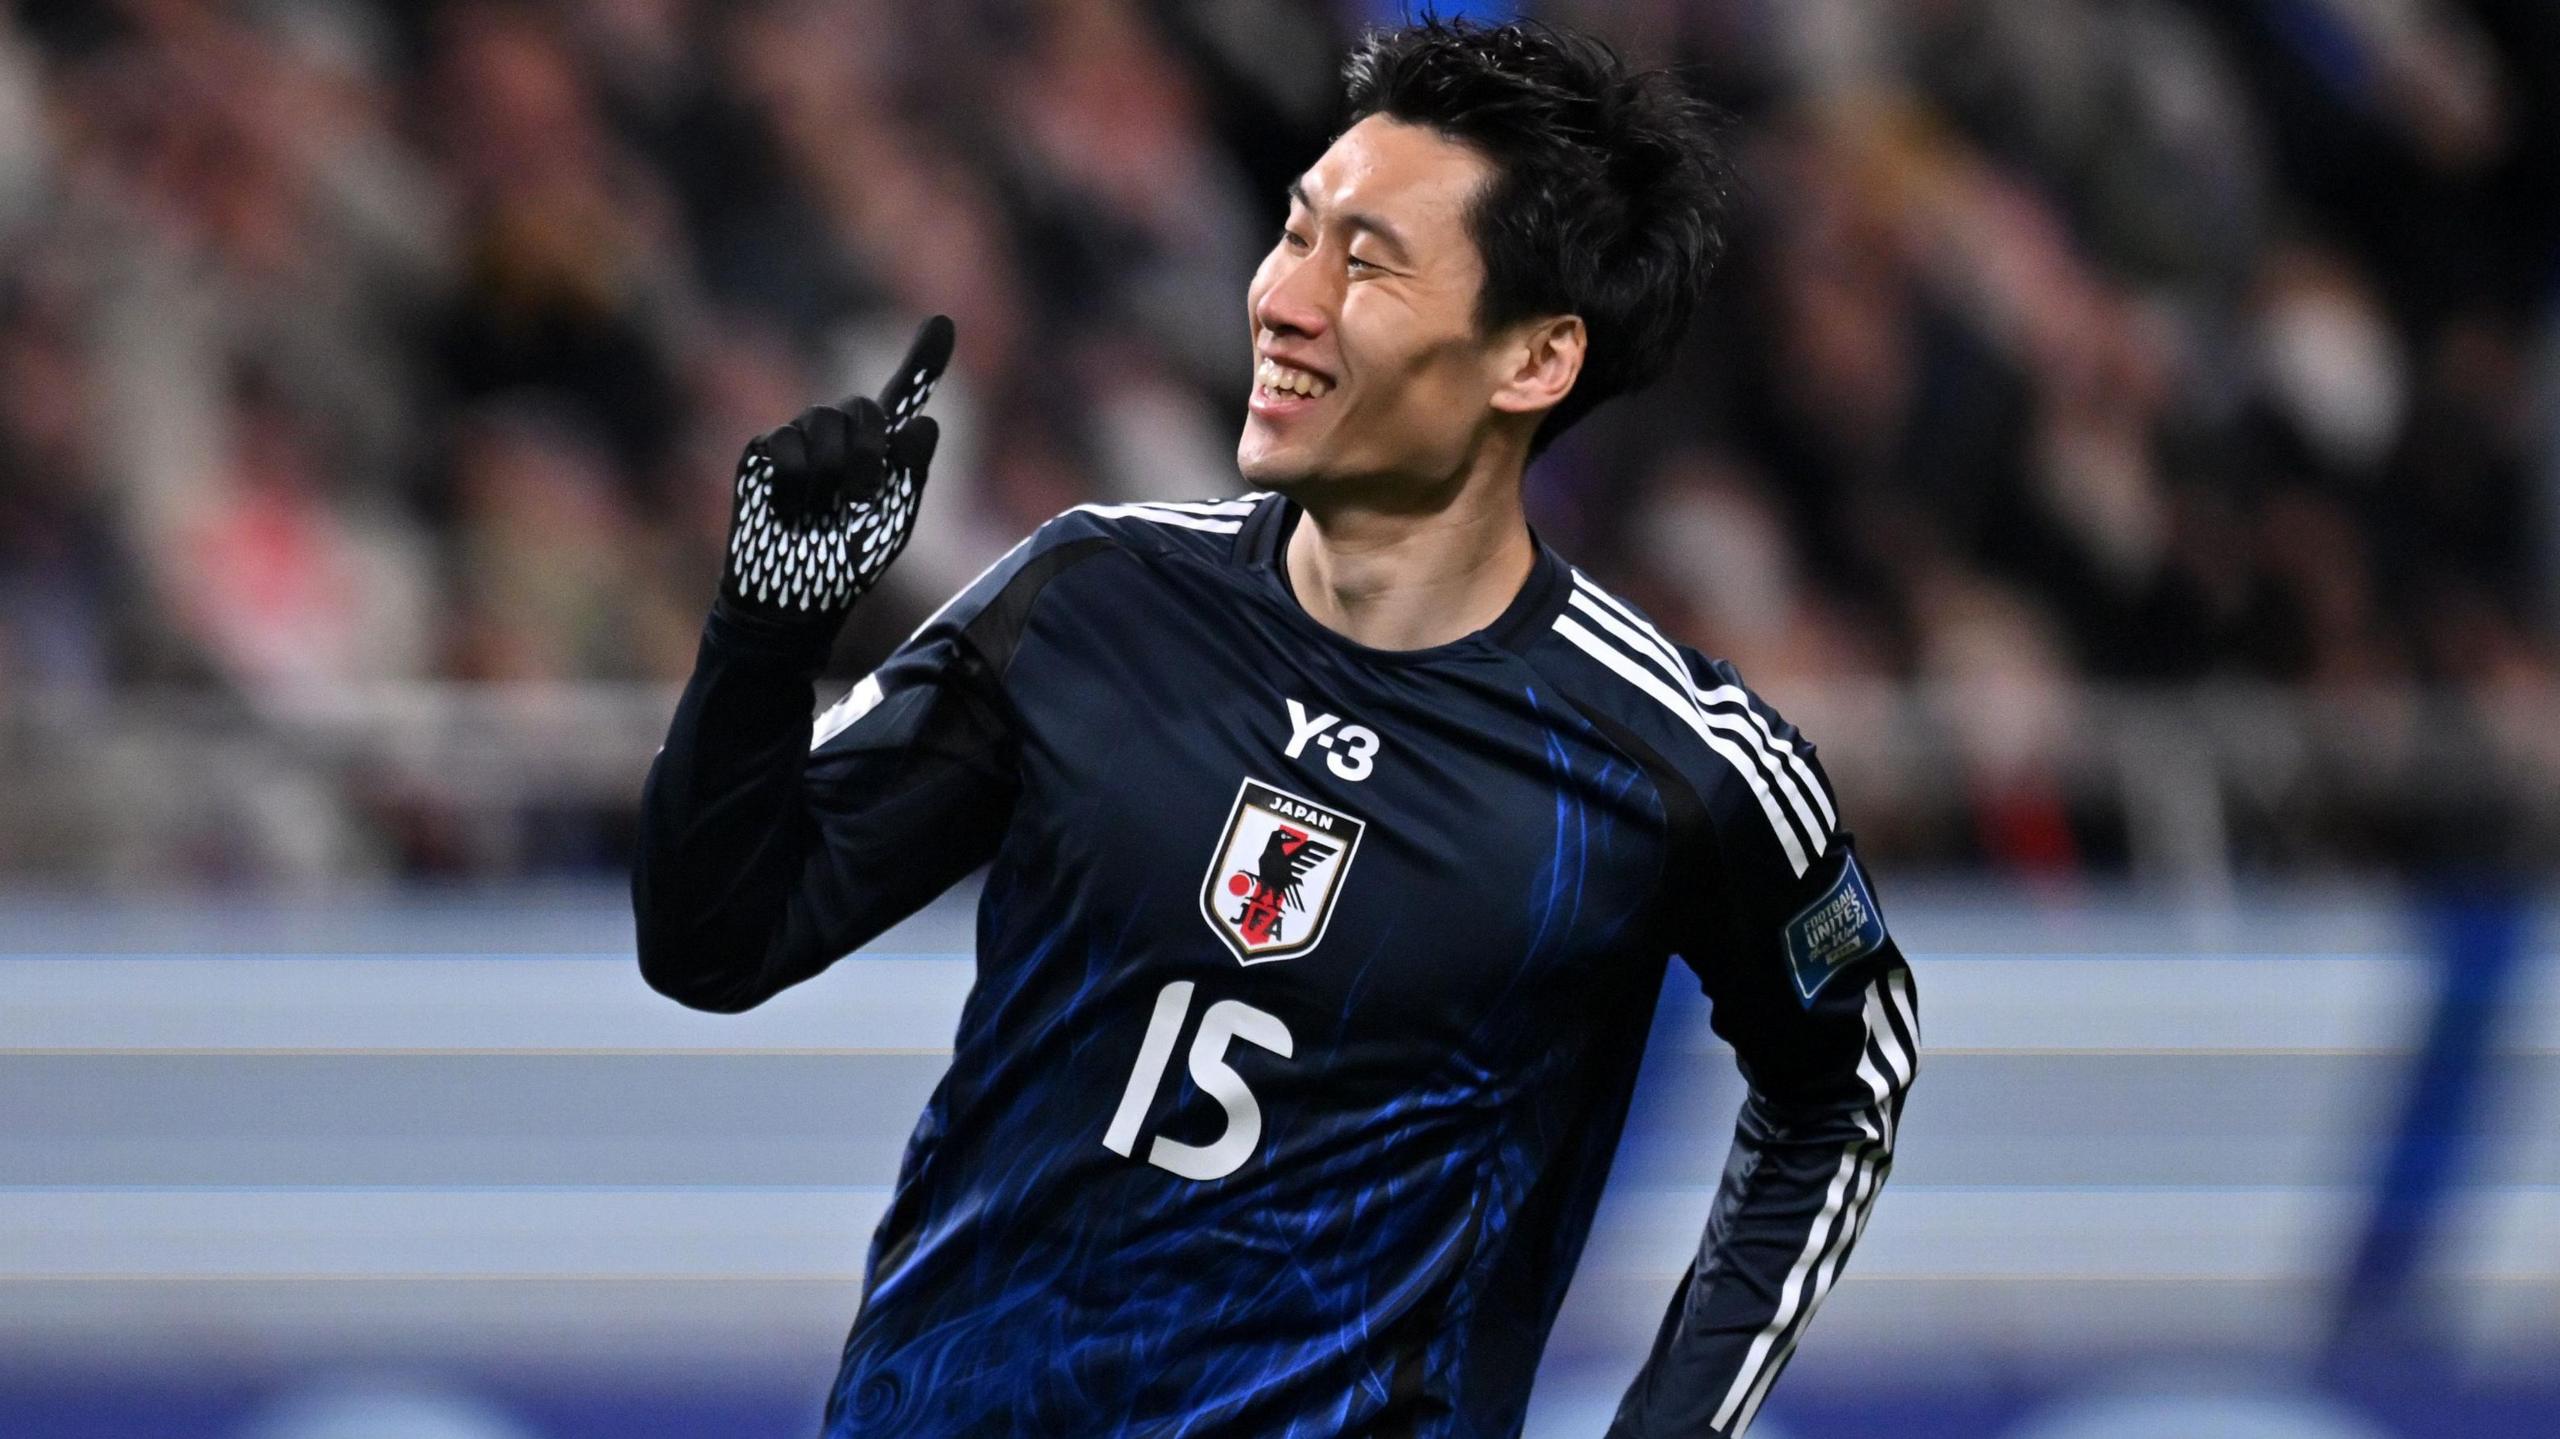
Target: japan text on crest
1277, 870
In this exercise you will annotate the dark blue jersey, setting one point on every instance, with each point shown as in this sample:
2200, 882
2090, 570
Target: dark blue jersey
1312, 984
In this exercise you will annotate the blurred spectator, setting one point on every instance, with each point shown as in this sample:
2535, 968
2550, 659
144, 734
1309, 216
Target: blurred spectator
2063, 341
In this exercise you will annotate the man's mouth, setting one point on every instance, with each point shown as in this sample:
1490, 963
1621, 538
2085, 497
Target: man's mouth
1282, 385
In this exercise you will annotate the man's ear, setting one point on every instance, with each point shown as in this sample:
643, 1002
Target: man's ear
1544, 358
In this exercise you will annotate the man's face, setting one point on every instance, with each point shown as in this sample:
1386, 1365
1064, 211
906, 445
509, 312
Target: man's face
1368, 298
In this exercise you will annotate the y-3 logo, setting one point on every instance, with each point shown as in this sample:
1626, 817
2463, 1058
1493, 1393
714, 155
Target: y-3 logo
1348, 750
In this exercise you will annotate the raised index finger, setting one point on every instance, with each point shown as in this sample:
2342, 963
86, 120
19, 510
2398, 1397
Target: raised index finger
916, 375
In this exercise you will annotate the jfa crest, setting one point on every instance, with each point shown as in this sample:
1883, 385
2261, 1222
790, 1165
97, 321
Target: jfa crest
1273, 881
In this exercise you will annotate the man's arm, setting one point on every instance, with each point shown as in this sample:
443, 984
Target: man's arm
1823, 1015
758, 862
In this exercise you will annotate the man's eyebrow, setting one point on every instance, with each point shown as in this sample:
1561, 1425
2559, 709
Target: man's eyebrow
1358, 220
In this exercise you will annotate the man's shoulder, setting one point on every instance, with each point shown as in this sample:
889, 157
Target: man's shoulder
1611, 656
1693, 716
1153, 527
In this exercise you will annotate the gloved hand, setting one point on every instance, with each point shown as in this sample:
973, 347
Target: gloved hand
827, 501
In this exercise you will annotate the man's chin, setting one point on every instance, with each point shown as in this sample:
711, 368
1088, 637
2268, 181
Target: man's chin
1263, 469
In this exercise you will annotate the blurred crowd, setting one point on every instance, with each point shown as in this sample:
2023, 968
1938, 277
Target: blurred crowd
2062, 340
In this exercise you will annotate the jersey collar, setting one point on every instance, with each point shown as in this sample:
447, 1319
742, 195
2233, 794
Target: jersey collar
1261, 543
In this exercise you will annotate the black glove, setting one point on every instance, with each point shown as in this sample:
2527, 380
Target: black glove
827, 501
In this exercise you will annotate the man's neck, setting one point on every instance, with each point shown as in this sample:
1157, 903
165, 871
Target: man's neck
1408, 580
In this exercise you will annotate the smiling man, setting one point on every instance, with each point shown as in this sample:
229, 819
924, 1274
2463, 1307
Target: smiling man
1337, 838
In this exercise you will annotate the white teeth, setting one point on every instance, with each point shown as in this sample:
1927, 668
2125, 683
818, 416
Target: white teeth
1270, 374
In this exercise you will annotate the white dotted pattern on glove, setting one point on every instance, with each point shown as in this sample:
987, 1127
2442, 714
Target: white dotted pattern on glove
827, 563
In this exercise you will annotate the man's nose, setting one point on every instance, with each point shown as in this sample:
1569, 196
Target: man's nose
1297, 302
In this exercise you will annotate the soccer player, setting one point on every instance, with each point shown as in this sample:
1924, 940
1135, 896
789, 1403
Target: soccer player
1337, 837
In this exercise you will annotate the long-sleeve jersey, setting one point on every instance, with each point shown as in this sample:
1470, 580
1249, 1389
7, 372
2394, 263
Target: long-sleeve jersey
1312, 981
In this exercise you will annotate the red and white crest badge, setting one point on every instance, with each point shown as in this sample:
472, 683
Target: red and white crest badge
1272, 884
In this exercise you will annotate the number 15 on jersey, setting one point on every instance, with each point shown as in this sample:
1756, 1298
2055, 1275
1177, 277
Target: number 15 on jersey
1224, 1022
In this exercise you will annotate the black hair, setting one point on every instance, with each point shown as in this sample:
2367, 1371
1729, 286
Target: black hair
1610, 189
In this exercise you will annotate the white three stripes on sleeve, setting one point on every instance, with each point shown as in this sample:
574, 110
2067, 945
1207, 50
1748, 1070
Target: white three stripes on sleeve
1846, 1205
1223, 517
1793, 784
1642, 658
1661, 650
1635, 674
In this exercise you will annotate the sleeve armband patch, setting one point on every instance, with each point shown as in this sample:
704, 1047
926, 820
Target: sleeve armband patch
1827, 935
